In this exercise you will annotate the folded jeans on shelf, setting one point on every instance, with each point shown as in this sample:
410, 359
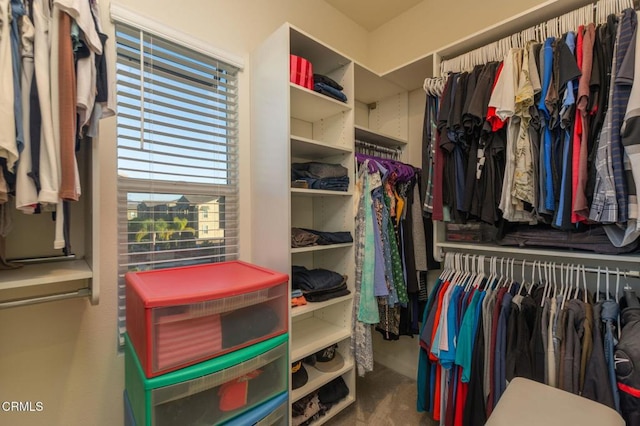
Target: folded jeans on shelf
315, 280
300, 238
327, 295
318, 170
329, 184
329, 91
320, 78
325, 237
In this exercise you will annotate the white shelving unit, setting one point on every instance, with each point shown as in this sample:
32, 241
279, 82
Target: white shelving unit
382, 110
291, 124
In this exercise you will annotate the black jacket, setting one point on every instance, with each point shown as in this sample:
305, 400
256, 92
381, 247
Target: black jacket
627, 357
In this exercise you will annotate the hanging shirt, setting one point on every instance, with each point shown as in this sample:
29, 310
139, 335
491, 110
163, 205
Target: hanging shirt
8, 144
26, 192
368, 308
523, 182
620, 98
467, 335
580, 205
604, 207
448, 351
548, 199
569, 71
597, 385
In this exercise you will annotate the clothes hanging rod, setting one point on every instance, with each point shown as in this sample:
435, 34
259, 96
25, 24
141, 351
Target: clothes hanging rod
528, 263
396, 151
593, 6
44, 259
84, 292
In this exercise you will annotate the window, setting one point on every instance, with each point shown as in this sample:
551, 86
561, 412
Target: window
177, 132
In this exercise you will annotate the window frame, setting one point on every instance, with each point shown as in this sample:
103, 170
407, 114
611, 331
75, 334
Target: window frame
220, 192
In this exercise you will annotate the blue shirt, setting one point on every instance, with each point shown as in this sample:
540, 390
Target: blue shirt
545, 147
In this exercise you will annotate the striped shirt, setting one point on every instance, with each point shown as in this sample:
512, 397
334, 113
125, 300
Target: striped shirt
621, 93
604, 207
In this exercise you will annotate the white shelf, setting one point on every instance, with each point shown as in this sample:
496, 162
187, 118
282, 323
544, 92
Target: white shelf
304, 192
318, 379
350, 399
380, 139
319, 248
45, 273
582, 256
304, 147
324, 59
316, 306
312, 334
307, 105
371, 87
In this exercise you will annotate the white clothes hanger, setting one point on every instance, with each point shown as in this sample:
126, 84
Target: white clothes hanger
511, 277
577, 287
618, 299
553, 279
584, 283
544, 280
447, 265
598, 286
562, 285
626, 283
481, 273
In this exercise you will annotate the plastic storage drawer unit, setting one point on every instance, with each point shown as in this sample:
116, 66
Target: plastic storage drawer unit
128, 412
209, 393
273, 412
178, 317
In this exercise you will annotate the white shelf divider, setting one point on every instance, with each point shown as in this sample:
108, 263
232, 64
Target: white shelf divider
350, 399
318, 379
305, 147
380, 139
45, 273
304, 192
316, 306
310, 106
312, 334
319, 248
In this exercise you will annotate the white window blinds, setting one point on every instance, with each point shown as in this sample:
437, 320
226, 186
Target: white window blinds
177, 136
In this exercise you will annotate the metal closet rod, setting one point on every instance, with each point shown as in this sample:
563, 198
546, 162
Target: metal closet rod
83, 292
528, 263
379, 148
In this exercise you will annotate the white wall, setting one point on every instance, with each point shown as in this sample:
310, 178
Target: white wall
64, 354
433, 24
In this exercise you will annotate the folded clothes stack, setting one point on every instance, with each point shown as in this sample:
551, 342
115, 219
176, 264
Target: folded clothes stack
315, 405
318, 285
304, 237
297, 298
328, 87
316, 175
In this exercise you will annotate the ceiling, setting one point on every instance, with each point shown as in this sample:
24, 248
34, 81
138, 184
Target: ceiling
371, 14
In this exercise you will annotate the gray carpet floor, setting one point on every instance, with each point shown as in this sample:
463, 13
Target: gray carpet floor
383, 398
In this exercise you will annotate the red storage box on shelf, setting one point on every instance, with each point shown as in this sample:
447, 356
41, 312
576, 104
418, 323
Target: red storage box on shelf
301, 71
177, 317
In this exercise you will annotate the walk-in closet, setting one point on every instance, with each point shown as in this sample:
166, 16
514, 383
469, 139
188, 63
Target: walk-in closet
340, 212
